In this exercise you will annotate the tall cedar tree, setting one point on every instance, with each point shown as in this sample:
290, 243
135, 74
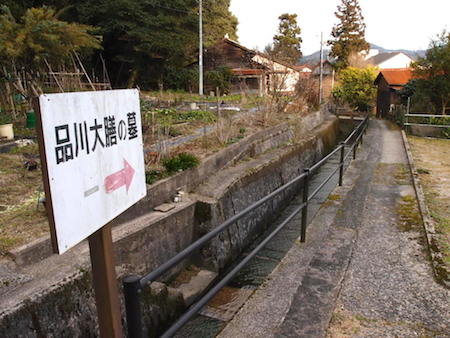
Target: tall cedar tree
218, 21
349, 34
287, 43
145, 42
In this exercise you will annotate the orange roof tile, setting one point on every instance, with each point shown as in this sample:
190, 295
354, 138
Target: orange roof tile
395, 77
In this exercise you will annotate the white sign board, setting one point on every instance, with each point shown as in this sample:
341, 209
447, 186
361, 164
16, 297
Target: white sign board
95, 159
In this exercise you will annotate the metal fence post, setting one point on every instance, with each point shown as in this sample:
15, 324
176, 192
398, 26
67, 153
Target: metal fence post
341, 163
355, 145
305, 208
362, 134
131, 291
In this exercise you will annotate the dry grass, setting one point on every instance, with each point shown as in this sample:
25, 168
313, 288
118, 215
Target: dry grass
432, 159
20, 219
343, 324
249, 123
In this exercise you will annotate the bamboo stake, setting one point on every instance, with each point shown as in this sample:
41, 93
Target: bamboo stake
84, 71
54, 76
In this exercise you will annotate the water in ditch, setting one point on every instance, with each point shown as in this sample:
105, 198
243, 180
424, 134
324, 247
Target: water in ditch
221, 309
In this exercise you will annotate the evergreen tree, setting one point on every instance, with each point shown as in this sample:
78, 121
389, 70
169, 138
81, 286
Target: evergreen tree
36, 40
145, 42
286, 45
218, 21
349, 34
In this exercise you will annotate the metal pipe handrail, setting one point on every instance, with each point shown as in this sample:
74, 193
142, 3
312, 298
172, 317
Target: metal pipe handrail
427, 125
211, 293
134, 284
323, 160
201, 241
349, 152
356, 129
314, 193
427, 115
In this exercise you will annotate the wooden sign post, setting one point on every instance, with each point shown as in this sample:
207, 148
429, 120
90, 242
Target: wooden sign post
105, 283
93, 170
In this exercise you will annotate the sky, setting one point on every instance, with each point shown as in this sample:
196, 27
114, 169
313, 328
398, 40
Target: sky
392, 24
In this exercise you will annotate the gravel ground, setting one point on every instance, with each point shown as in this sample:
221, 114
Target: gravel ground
388, 289
364, 270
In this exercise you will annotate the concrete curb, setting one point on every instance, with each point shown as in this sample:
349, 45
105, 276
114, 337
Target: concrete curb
440, 270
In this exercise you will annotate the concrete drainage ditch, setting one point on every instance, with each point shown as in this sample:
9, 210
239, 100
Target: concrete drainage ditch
53, 297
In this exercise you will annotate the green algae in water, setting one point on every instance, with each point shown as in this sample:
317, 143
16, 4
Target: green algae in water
201, 327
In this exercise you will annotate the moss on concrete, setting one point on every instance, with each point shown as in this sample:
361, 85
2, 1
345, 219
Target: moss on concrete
408, 214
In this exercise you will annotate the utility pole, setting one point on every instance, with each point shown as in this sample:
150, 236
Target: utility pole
321, 69
200, 49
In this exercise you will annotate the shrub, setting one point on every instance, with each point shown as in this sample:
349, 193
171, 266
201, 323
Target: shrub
5, 119
356, 88
180, 162
152, 176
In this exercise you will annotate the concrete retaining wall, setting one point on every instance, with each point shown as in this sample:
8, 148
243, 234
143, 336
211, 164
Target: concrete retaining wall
427, 131
234, 189
53, 297
164, 190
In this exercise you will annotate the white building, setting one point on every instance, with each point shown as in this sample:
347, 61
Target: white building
395, 60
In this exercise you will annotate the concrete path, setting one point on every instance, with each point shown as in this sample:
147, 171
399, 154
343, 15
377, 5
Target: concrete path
364, 270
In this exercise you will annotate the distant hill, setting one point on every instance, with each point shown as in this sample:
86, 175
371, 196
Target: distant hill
314, 58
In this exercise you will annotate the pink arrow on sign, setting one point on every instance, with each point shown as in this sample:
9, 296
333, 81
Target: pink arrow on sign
120, 178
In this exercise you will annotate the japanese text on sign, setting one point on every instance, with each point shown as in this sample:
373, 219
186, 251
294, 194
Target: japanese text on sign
95, 159
72, 140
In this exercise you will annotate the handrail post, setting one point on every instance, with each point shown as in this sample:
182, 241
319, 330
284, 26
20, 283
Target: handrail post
355, 145
131, 291
307, 171
341, 163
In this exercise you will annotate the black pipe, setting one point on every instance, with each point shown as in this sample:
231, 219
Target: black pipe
131, 291
305, 202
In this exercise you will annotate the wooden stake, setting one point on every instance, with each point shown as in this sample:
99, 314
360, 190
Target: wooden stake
105, 283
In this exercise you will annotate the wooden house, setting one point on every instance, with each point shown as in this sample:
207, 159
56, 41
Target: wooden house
305, 71
389, 82
328, 74
253, 72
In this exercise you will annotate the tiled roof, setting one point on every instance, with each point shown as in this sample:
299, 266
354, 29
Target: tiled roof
238, 45
380, 58
395, 77
302, 67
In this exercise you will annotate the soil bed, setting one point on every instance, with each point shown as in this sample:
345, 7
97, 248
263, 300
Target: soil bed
432, 158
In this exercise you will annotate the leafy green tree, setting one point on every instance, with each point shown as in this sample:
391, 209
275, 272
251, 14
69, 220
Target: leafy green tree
432, 73
356, 88
287, 42
220, 78
349, 34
